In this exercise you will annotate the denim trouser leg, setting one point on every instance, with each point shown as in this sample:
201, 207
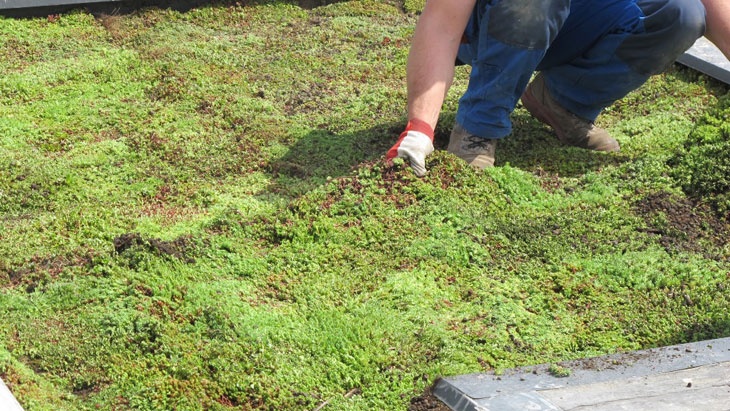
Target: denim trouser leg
592, 52
505, 42
645, 40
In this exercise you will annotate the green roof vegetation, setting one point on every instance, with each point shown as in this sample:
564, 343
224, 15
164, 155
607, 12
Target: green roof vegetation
195, 215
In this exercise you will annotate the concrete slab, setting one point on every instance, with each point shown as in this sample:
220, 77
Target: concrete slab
703, 388
687, 377
706, 58
7, 400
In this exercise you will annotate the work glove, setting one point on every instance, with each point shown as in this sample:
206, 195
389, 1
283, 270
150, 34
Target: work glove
414, 144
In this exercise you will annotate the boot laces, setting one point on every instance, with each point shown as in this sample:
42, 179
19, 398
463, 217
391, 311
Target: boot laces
474, 143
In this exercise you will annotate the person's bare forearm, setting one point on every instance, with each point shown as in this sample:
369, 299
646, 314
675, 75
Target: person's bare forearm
430, 69
718, 24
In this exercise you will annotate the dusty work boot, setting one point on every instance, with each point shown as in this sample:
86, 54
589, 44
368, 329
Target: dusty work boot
570, 129
475, 150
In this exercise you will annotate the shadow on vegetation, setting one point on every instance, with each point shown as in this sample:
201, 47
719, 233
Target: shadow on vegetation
322, 154
701, 329
534, 147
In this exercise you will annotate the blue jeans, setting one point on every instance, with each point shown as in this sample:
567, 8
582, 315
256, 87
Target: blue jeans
591, 53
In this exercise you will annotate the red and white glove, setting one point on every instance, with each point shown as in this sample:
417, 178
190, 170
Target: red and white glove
414, 144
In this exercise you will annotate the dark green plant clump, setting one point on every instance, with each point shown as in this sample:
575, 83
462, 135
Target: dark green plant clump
703, 167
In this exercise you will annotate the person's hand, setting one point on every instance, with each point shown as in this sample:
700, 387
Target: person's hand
414, 144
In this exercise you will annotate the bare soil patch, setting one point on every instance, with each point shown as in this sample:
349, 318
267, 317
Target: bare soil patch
427, 402
683, 225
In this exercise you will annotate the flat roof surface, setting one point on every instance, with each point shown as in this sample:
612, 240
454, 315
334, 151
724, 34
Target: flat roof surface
7, 400
706, 58
686, 377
